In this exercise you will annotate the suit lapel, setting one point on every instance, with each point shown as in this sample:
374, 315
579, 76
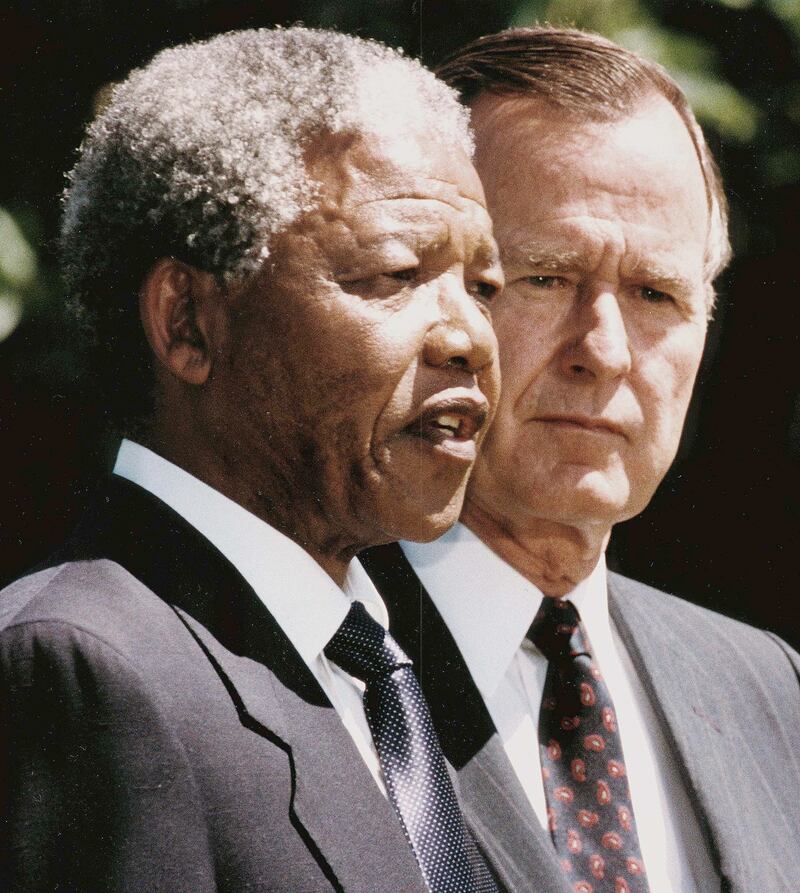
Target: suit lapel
494, 804
336, 806
502, 820
675, 681
664, 655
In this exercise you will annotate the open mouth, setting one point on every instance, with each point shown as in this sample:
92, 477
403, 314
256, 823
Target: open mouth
450, 422
459, 427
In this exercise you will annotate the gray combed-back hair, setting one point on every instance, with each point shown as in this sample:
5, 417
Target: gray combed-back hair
199, 155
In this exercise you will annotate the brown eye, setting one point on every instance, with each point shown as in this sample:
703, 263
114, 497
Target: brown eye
407, 275
484, 290
654, 296
544, 281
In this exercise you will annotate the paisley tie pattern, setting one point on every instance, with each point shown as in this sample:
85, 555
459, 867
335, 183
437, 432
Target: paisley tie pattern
589, 809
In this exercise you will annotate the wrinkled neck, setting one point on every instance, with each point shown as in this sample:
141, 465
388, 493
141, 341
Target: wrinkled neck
554, 557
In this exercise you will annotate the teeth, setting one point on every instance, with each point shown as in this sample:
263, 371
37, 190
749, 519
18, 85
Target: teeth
452, 422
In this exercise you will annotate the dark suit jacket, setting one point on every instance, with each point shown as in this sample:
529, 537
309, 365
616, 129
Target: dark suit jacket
728, 696
158, 732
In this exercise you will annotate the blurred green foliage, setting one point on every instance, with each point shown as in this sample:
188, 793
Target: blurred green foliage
18, 273
693, 62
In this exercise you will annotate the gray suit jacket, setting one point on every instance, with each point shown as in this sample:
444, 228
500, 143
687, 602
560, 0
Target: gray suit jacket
158, 732
728, 696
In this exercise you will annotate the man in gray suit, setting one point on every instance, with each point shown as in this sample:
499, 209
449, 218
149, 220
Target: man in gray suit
282, 251
610, 737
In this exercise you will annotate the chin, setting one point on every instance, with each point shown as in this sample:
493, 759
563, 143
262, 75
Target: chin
577, 506
422, 523
433, 528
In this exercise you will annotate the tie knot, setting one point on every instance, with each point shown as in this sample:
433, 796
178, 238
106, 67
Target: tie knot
363, 648
556, 631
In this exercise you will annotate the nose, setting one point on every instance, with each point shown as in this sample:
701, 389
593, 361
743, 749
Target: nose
600, 348
462, 334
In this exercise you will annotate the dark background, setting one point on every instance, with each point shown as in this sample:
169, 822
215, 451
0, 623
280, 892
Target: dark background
723, 528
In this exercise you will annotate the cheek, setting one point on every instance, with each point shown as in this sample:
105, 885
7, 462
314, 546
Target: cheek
490, 384
528, 336
668, 382
377, 384
398, 396
357, 364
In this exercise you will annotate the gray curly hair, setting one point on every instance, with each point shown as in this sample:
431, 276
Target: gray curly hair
200, 155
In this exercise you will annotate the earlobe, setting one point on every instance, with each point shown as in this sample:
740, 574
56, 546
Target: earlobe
174, 304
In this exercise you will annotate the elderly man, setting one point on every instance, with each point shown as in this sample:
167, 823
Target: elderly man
613, 737
282, 249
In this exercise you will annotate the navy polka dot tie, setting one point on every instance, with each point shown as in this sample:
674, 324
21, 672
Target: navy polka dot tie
410, 756
589, 808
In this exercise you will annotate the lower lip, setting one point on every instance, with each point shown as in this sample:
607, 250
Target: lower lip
462, 451
565, 425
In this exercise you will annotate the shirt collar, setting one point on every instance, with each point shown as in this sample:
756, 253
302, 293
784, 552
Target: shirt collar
487, 605
303, 599
590, 597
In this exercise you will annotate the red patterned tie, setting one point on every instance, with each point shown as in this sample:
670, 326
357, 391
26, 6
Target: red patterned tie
589, 809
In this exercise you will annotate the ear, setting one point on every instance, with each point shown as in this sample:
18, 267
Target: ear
179, 306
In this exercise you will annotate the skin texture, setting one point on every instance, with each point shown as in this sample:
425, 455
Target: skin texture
602, 229
298, 394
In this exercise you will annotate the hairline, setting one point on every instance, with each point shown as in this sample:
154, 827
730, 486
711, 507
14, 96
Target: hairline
472, 83
157, 174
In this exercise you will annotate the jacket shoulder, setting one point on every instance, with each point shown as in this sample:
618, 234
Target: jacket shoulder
95, 627
99, 597
98, 773
707, 633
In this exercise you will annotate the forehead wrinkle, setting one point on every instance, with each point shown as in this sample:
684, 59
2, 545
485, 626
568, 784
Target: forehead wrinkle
409, 223
424, 197
435, 231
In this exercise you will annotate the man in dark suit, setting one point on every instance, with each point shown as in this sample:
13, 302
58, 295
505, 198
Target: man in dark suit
282, 252
609, 737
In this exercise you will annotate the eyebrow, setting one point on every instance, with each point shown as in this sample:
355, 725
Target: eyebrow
558, 259
542, 256
662, 278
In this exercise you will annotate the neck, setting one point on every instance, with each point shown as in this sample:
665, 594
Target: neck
271, 503
555, 557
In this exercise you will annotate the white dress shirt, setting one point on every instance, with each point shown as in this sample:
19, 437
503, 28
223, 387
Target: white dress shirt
306, 603
488, 607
